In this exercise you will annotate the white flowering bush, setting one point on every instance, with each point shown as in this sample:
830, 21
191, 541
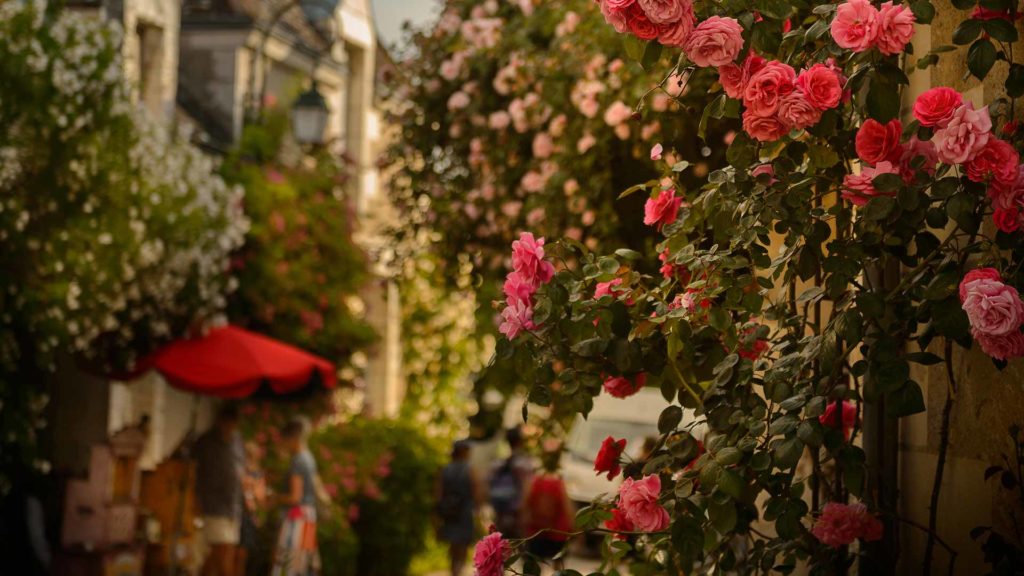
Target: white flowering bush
115, 234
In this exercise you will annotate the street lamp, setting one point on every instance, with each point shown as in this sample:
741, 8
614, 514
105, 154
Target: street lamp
309, 117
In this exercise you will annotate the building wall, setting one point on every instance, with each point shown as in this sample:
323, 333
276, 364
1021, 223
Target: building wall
987, 401
151, 52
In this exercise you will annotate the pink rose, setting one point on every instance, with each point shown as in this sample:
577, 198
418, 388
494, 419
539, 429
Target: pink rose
993, 308
730, 76
619, 523
1007, 219
1005, 347
917, 153
965, 135
638, 500
764, 170
678, 32
516, 318
767, 86
617, 113
656, 151
935, 107
855, 25
877, 142
490, 555
1007, 195
763, 128
618, 4
622, 387
665, 11
996, 163
586, 142
458, 101
715, 42
859, 188
796, 112
528, 260
543, 145
516, 289
821, 86
841, 524
978, 274
614, 16
895, 28
662, 210
499, 120
609, 288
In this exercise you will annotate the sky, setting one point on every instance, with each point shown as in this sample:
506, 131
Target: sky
390, 14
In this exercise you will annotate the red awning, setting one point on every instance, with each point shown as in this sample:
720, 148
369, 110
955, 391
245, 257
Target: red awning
230, 362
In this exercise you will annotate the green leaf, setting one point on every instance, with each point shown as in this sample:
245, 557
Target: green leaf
981, 56
716, 104
651, 55
634, 46
741, 152
881, 104
923, 358
923, 11
670, 417
787, 453
1001, 30
1015, 81
731, 483
723, 516
879, 207
964, 4
905, 401
719, 319
810, 433
966, 32
633, 189
728, 456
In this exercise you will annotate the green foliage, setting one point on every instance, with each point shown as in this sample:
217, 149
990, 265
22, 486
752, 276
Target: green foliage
300, 270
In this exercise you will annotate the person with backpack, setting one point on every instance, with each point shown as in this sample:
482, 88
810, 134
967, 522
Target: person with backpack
507, 484
458, 495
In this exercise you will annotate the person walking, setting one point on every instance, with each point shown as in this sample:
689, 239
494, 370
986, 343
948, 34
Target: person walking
297, 553
458, 495
254, 492
219, 461
507, 485
547, 511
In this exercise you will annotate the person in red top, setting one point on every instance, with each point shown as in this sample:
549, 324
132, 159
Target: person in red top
547, 511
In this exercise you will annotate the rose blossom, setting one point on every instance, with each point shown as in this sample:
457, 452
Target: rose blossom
978, 274
877, 142
730, 76
617, 113
895, 28
821, 86
855, 25
639, 24
458, 100
619, 523
516, 318
935, 107
767, 86
622, 387
662, 210
965, 135
664, 11
996, 162
586, 142
656, 151
490, 555
763, 128
859, 188
638, 500
917, 153
715, 42
678, 32
796, 112
610, 288
528, 260
830, 418
614, 16
517, 290
499, 120
543, 145
993, 308
608, 457
841, 524
1007, 219
1006, 347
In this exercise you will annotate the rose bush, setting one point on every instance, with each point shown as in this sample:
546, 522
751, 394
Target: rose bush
776, 310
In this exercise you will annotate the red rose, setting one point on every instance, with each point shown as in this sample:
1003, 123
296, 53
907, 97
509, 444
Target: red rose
622, 387
619, 523
639, 24
935, 107
996, 162
877, 142
608, 457
1007, 219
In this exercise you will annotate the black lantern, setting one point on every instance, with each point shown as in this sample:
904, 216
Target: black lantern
309, 117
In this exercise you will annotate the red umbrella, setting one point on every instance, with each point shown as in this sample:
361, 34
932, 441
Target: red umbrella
230, 362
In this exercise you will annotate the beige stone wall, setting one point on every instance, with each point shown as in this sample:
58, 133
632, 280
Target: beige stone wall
987, 402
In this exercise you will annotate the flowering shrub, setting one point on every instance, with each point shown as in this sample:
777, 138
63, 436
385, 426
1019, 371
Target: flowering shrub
803, 278
520, 117
116, 235
299, 270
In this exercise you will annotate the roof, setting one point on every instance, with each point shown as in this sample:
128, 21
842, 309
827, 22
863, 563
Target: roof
255, 14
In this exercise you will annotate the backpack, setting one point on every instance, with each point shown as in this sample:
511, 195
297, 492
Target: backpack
506, 492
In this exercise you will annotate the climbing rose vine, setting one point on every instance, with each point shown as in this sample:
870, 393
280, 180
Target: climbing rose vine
858, 233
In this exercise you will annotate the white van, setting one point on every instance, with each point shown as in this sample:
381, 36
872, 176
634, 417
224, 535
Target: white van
634, 418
